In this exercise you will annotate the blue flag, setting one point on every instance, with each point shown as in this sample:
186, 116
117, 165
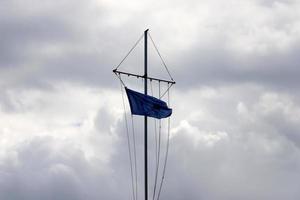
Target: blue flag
141, 104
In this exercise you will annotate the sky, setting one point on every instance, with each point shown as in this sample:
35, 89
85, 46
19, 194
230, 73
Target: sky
236, 104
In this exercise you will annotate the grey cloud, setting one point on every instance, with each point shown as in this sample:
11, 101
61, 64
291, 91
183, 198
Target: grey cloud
248, 160
22, 32
43, 171
47, 43
216, 174
214, 66
88, 52
253, 161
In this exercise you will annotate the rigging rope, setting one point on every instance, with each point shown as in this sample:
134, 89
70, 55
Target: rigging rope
133, 166
167, 90
160, 57
121, 81
158, 150
167, 152
129, 51
129, 145
155, 130
134, 154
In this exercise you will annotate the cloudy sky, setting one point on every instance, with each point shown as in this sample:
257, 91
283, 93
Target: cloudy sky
235, 129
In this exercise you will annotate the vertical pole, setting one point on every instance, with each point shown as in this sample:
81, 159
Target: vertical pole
145, 117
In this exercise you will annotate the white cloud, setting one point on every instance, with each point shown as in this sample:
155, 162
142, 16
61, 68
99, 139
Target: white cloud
249, 157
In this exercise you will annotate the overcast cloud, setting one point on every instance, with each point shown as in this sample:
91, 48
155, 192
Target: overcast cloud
235, 128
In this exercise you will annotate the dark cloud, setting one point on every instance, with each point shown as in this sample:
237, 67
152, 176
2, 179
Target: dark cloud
216, 66
45, 43
47, 173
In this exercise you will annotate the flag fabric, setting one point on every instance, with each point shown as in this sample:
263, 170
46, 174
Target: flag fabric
141, 104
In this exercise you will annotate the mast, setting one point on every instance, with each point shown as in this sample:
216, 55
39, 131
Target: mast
145, 117
146, 78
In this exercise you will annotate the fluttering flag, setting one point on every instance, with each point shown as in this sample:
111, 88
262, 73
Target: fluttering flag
141, 104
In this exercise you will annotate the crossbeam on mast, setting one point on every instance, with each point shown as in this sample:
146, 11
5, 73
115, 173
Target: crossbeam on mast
143, 76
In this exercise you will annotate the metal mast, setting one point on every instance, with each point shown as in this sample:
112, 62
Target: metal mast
145, 117
146, 78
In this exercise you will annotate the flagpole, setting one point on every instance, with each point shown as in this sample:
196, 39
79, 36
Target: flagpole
145, 117
145, 77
